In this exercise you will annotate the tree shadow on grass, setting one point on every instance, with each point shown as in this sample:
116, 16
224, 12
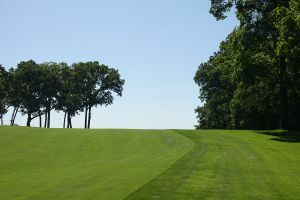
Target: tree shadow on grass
283, 136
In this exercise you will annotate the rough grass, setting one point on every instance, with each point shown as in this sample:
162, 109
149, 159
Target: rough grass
139, 164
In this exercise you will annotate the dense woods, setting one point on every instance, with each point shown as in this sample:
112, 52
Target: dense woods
36, 89
253, 81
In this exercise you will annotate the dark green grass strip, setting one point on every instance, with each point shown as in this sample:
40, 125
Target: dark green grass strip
230, 165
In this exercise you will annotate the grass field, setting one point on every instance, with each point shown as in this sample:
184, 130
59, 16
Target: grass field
66, 164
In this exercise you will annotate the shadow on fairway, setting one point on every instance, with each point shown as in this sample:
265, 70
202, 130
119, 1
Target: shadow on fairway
283, 136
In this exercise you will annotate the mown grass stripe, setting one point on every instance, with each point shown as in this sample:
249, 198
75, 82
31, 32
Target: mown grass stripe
229, 165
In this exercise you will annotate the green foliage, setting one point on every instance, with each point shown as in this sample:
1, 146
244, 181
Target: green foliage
85, 85
217, 86
97, 82
28, 82
68, 98
39, 88
3, 92
263, 77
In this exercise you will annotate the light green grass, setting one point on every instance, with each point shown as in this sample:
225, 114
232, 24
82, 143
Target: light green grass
60, 164
139, 164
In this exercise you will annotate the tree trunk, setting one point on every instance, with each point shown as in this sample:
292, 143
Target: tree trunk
70, 121
29, 119
65, 120
13, 116
89, 121
1, 117
295, 94
40, 117
284, 121
85, 118
49, 111
236, 123
45, 121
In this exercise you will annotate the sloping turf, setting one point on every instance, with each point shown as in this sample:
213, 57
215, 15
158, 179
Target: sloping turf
231, 165
139, 164
60, 164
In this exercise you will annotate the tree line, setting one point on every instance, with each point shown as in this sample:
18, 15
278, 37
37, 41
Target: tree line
36, 89
253, 80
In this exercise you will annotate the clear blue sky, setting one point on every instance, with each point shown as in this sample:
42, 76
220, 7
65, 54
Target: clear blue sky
156, 45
